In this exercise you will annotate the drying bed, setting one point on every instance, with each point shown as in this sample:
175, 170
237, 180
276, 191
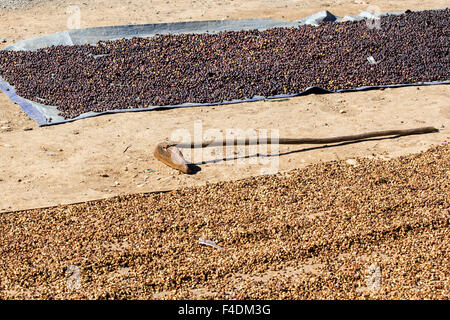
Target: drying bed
186, 69
372, 229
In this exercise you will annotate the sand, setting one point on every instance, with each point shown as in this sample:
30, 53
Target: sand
109, 155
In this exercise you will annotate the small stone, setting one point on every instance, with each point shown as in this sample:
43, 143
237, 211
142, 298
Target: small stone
27, 129
5, 128
342, 111
372, 60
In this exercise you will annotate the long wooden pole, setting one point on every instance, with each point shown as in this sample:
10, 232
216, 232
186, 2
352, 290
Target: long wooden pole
361, 136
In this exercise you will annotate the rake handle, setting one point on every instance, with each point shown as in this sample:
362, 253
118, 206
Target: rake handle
361, 136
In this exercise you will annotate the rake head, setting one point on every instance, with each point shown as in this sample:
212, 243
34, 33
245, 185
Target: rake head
170, 155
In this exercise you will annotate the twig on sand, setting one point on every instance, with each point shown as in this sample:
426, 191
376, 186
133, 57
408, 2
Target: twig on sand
126, 148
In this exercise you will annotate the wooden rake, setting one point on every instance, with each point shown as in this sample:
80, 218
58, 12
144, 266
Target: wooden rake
169, 154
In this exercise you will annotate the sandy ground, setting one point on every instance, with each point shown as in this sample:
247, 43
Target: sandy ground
108, 155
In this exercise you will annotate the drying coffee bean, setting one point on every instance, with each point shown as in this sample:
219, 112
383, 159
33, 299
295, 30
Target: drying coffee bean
204, 68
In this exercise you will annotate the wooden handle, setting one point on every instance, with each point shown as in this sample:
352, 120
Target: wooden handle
361, 136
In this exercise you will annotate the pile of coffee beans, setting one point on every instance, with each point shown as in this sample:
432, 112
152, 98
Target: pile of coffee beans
203, 68
372, 229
